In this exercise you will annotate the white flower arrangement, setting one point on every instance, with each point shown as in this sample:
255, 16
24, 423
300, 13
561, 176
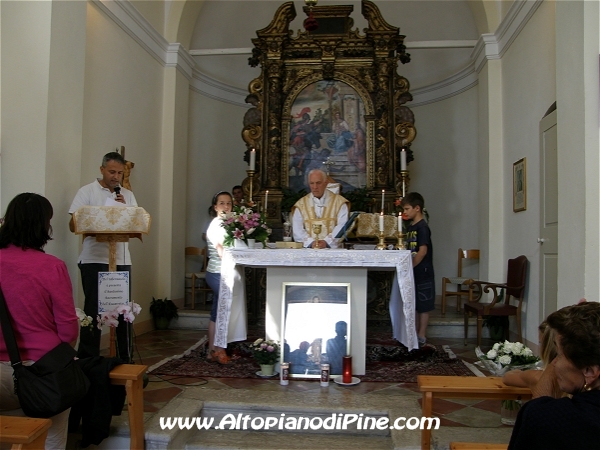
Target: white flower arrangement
505, 356
85, 321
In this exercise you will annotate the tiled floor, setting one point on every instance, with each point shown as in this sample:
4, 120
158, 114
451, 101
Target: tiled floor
157, 345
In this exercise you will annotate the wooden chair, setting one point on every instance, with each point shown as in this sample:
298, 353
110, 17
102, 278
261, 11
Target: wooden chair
460, 281
197, 280
514, 287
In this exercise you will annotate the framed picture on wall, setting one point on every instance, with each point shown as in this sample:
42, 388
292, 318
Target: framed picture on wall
520, 185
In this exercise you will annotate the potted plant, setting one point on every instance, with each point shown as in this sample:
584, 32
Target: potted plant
266, 354
162, 310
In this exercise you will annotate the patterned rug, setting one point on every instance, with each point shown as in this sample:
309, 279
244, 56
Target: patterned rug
388, 362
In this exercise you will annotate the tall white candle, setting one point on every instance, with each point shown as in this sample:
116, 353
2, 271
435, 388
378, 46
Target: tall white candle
382, 197
400, 222
381, 228
266, 199
402, 159
253, 159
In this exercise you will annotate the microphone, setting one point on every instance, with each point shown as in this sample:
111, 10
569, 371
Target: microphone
117, 189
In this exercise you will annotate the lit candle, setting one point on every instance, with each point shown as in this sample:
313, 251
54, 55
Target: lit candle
400, 222
381, 221
266, 199
347, 369
253, 159
382, 198
402, 159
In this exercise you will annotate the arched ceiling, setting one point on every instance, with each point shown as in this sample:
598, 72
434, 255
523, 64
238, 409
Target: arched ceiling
440, 35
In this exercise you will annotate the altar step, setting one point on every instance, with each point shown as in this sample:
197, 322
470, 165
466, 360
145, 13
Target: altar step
451, 325
204, 402
157, 438
191, 319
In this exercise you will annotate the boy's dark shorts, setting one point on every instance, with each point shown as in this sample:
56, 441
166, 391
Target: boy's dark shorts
425, 296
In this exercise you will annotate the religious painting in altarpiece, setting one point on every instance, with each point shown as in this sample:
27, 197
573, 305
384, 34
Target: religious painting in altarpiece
329, 98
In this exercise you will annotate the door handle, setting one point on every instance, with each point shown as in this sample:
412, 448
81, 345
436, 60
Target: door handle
542, 240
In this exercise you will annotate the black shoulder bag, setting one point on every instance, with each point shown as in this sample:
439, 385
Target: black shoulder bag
52, 384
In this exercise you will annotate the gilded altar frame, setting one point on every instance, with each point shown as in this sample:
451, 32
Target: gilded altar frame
352, 62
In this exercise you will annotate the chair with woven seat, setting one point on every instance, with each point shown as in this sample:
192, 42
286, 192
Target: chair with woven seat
463, 289
514, 288
195, 281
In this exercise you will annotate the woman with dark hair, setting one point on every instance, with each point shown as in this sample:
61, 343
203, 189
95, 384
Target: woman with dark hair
222, 203
550, 423
39, 298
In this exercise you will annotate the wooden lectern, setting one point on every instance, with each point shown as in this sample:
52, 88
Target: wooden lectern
111, 224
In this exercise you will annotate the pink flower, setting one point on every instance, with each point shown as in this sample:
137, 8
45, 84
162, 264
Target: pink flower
124, 309
238, 234
270, 348
129, 317
136, 308
112, 323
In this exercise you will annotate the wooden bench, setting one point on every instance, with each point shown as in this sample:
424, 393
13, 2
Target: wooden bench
24, 432
131, 376
476, 446
463, 387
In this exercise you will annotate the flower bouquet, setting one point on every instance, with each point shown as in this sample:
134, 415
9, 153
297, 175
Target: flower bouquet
505, 356
266, 352
85, 321
111, 319
243, 224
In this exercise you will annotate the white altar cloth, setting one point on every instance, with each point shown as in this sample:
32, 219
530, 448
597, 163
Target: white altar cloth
231, 324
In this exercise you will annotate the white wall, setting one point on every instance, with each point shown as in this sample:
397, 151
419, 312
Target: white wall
43, 56
445, 171
529, 88
215, 160
577, 81
26, 29
123, 107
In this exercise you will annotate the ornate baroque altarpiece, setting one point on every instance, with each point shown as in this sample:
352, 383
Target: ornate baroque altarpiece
330, 98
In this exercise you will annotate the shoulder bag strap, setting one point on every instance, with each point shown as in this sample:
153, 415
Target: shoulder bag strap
8, 333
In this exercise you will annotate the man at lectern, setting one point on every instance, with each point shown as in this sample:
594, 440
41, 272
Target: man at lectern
319, 216
94, 256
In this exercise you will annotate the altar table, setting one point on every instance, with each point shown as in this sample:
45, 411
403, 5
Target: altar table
231, 323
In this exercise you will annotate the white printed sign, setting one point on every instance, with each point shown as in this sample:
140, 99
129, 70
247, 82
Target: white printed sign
113, 290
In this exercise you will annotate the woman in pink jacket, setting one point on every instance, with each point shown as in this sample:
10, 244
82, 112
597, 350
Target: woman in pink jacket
39, 297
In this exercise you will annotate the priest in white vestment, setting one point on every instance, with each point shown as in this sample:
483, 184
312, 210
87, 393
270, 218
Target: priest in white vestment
320, 207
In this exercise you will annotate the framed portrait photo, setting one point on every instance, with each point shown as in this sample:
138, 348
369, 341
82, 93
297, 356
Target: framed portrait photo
316, 327
520, 185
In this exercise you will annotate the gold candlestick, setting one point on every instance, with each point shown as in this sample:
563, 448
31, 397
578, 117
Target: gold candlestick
250, 173
404, 182
400, 245
381, 245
